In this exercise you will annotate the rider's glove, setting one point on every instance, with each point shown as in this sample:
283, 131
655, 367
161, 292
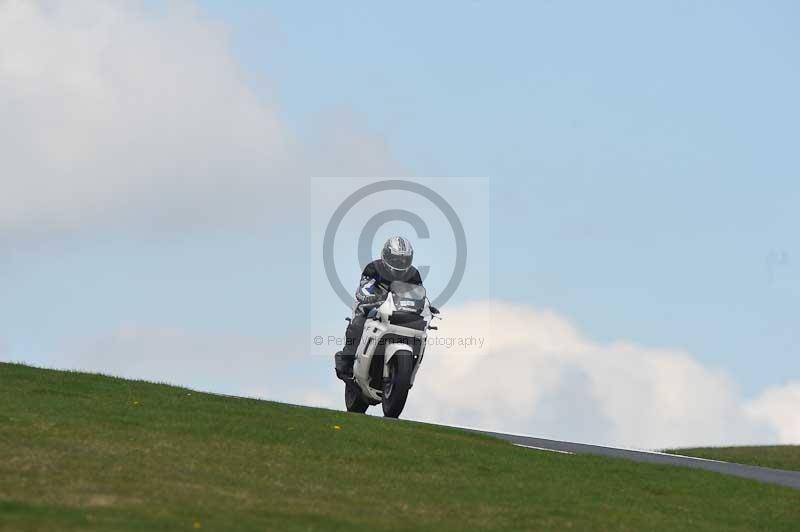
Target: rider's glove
370, 292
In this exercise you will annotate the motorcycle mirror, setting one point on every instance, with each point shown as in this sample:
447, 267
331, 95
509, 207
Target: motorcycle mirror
434, 310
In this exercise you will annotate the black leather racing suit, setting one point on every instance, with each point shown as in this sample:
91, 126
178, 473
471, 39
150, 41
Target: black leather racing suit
372, 291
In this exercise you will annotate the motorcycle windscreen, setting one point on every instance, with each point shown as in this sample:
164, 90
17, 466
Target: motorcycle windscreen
408, 297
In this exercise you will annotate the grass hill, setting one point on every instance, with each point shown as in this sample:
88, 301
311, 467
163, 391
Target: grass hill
88, 452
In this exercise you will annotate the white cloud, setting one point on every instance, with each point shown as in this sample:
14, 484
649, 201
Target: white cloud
217, 362
116, 114
780, 407
112, 113
538, 375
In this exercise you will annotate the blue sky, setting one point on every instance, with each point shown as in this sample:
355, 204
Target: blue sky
643, 157
641, 160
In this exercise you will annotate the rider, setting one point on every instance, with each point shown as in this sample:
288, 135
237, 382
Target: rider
394, 265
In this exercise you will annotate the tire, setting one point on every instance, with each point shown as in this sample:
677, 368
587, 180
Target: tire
395, 389
353, 400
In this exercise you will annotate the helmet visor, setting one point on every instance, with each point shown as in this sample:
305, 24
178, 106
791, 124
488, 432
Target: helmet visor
398, 263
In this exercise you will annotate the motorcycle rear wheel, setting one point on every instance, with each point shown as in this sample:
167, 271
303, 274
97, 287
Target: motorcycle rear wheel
353, 400
395, 388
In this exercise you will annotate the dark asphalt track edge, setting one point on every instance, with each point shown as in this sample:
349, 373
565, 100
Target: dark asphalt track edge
762, 474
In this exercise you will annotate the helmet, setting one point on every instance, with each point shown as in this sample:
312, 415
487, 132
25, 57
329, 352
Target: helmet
397, 255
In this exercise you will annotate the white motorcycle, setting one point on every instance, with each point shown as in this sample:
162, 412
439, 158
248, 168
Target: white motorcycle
391, 350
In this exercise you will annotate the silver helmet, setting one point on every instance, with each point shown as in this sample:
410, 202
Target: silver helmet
397, 255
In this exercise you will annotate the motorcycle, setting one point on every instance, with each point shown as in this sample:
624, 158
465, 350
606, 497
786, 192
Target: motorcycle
391, 350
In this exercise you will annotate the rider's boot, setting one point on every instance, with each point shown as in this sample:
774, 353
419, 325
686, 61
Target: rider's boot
344, 365
347, 356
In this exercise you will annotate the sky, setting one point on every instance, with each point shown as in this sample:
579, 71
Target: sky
626, 174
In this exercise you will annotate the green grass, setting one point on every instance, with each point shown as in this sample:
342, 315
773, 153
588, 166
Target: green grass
775, 456
87, 452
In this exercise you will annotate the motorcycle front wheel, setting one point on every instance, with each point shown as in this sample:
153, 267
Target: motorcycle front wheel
396, 386
353, 400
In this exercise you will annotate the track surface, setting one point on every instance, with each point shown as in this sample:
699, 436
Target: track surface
762, 474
